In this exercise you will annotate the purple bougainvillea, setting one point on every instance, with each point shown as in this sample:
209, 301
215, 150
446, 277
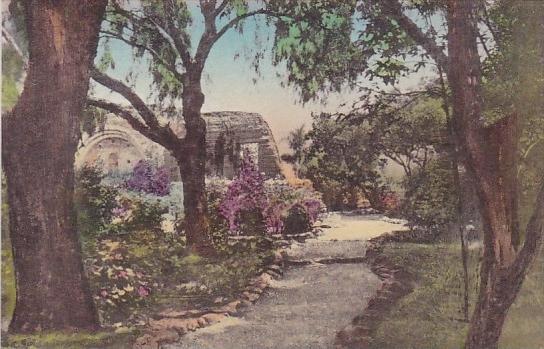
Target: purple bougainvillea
148, 179
273, 199
245, 193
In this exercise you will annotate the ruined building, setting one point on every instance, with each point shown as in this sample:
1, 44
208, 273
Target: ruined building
117, 147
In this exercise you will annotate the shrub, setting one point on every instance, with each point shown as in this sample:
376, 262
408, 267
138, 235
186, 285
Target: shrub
118, 286
137, 213
94, 201
245, 197
251, 205
148, 179
297, 220
430, 197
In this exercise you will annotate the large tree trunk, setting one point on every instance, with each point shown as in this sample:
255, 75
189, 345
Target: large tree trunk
40, 137
490, 157
192, 164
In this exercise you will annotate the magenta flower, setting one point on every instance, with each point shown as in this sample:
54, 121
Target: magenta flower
143, 291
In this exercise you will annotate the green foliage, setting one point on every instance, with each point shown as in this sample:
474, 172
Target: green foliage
413, 132
343, 162
52, 340
313, 38
330, 44
297, 143
430, 197
138, 27
117, 286
146, 215
92, 120
12, 69
94, 201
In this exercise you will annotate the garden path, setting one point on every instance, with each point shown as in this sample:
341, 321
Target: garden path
312, 301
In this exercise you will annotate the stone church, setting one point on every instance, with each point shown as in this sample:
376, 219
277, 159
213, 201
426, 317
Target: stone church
117, 147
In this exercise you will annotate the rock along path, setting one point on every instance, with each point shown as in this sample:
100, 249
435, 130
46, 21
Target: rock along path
306, 308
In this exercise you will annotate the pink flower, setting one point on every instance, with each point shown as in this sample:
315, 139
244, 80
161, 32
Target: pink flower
123, 274
143, 291
103, 293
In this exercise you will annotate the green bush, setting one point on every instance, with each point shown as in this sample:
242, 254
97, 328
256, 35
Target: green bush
430, 197
147, 215
94, 201
297, 221
136, 212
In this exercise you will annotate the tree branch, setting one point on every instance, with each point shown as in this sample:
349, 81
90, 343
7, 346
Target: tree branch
220, 8
394, 10
128, 116
171, 68
149, 117
211, 37
177, 36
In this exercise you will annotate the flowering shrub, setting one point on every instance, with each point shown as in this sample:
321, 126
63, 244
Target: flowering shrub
145, 178
288, 205
251, 204
244, 194
117, 284
134, 212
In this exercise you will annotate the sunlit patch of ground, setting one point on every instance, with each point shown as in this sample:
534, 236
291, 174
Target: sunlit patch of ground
358, 227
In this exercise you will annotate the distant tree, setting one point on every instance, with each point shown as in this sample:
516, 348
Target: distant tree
297, 143
39, 140
416, 135
343, 162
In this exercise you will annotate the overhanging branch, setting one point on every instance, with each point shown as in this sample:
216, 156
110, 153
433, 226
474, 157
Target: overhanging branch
393, 9
127, 115
166, 133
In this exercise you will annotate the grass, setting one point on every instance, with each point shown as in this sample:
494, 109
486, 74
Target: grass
431, 316
54, 340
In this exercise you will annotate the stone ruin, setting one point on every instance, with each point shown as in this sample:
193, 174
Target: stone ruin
117, 147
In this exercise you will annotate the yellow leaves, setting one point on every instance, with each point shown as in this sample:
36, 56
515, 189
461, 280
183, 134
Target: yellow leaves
111, 245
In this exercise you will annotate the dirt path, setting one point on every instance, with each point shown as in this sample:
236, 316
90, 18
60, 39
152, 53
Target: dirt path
306, 308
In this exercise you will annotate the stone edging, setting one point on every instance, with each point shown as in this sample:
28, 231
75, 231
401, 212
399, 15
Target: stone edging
396, 283
172, 324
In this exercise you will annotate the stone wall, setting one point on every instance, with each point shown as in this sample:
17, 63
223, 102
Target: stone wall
118, 148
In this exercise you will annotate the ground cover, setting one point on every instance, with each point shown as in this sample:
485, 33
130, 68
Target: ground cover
431, 316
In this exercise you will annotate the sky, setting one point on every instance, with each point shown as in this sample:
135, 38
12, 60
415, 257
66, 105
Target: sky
230, 83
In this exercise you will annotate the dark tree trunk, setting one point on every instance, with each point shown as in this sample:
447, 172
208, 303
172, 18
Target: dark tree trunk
40, 137
490, 157
192, 164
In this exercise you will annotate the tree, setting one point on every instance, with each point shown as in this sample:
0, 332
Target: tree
490, 157
297, 142
160, 30
39, 140
343, 162
488, 147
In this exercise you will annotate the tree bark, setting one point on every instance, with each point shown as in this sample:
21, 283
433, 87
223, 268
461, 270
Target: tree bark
490, 157
40, 138
192, 164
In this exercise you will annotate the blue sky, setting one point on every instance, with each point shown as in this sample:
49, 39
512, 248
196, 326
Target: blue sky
230, 83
